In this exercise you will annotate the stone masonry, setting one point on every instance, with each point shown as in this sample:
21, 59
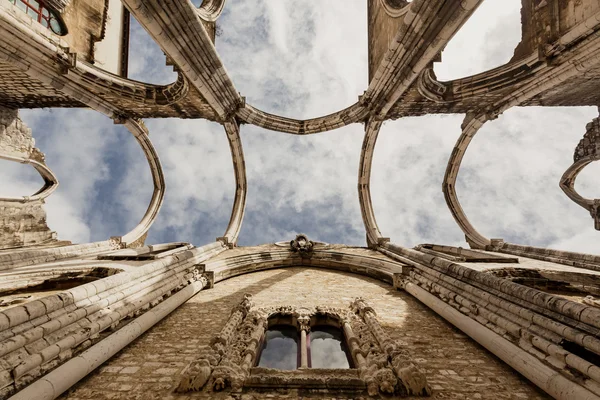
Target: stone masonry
122, 319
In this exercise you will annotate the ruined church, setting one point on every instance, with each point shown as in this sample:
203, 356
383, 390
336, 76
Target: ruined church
297, 319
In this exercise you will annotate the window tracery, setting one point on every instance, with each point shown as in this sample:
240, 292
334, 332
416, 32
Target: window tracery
39, 11
378, 364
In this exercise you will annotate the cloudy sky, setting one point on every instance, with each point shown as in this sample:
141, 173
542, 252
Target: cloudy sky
306, 58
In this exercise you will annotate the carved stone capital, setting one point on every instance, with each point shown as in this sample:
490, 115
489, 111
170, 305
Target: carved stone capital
304, 323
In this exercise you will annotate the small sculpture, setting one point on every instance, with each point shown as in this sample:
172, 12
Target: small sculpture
302, 245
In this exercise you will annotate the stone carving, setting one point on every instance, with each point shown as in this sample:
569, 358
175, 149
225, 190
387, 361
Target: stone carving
196, 375
382, 365
302, 245
392, 369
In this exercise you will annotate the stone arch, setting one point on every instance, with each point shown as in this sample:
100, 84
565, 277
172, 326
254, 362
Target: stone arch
50, 180
232, 129
244, 262
140, 132
364, 182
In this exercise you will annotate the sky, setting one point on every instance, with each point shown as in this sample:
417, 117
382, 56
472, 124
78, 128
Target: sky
303, 59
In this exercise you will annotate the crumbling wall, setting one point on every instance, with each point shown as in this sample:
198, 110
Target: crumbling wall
544, 21
86, 23
21, 224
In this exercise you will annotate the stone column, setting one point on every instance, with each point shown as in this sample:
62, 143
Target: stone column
353, 345
304, 325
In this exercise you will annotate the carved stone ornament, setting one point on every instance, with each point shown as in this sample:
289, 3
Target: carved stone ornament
381, 365
302, 245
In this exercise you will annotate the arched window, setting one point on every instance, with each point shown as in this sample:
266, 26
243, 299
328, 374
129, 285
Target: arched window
38, 10
328, 348
286, 343
280, 348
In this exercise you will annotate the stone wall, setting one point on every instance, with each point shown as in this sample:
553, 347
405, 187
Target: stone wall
455, 366
86, 22
21, 224
382, 30
15, 136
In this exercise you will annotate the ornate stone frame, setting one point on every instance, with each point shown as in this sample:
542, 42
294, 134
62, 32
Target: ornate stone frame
381, 364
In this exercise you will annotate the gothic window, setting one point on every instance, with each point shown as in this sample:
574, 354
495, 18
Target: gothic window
297, 345
328, 348
320, 348
280, 348
38, 10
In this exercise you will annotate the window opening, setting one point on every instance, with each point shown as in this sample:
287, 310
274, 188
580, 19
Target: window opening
327, 348
280, 348
38, 10
285, 345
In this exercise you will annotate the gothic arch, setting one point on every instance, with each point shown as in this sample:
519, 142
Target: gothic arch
232, 129
262, 259
140, 133
364, 181
470, 127
50, 180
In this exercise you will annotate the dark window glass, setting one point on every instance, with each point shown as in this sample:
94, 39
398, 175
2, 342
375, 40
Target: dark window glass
280, 348
327, 348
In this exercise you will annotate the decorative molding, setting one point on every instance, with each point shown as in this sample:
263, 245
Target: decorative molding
382, 366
